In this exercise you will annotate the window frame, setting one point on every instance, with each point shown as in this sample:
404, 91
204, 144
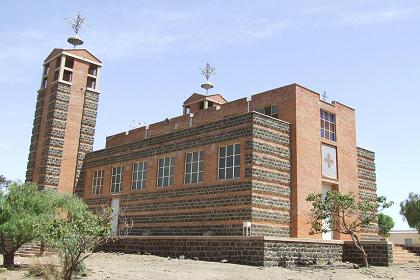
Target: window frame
268, 110
97, 182
160, 180
114, 183
200, 167
140, 173
328, 125
236, 164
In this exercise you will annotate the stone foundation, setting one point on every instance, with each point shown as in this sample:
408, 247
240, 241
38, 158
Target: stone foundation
251, 250
379, 252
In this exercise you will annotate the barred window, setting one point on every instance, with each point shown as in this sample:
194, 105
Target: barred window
271, 110
166, 172
116, 179
139, 175
97, 182
194, 167
229, 161
328, 125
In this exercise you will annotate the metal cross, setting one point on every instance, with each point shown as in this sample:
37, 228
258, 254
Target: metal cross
208, 71
324, 95
77, 23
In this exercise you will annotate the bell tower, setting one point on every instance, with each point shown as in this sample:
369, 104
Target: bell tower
65, 117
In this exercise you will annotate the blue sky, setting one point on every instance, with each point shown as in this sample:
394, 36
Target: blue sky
365, 54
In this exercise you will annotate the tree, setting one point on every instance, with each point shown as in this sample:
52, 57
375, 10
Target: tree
76, 232
385, 223
410, 209
344, 214
22, 208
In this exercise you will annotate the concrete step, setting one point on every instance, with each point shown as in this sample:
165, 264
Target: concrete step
402, 255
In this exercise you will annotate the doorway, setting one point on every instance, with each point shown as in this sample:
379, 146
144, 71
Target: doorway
325, 188
115, 205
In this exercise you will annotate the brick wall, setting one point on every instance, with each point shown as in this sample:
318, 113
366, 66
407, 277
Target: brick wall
212, 207
269, 154
367, 187
281, 161
64, 122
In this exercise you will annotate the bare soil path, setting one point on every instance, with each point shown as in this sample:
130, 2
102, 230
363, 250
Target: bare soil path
103, 266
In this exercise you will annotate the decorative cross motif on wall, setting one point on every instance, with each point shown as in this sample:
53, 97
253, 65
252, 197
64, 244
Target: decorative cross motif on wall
328, 160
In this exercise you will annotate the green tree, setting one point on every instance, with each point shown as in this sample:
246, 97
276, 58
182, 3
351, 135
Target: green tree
75, 233
344, 214
385, 224
22, 208
410, 209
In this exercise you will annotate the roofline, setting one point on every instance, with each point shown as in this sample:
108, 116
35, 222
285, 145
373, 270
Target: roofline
65, 52
404, 231
218, 95
204, 98
333, 103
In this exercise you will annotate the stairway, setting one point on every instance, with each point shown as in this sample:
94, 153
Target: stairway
402, 255
33, 250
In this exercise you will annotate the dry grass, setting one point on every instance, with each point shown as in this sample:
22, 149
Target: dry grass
47, 268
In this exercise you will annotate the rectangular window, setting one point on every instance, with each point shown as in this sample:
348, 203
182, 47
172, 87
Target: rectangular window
44, 82
67, 76
328, 125
116, 179
58, 62
93, 70
194, 167
46, 70
229, 161
270, 110
139, 175
56, 73
91, 82
97, 182
166, 172
69, 62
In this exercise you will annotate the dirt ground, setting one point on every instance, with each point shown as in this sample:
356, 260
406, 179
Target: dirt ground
103, 266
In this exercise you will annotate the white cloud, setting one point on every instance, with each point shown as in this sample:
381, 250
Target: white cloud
374, 16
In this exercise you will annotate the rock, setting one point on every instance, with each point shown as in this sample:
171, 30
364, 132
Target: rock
356, 266
224, 261
3, 269
196, 259
181, 257
329, 262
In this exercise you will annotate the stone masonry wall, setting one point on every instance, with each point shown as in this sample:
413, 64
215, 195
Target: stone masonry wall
213, 207
379, 253
367, 188
269, 153
287, 251
254, 250
87, 130
53, 137
248, 251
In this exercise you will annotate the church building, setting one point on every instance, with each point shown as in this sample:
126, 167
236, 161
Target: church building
234, 168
